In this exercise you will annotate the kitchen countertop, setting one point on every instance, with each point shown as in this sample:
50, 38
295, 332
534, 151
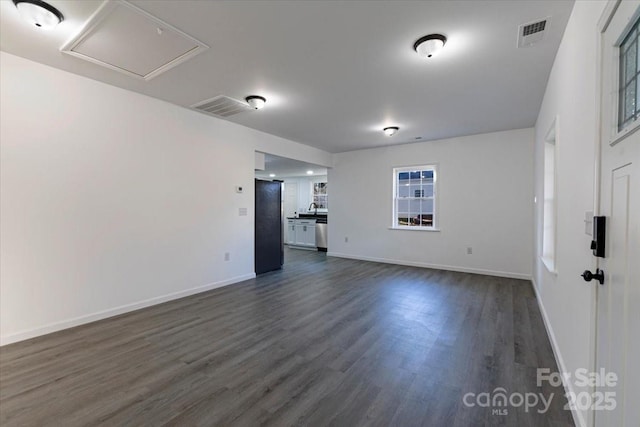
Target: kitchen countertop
310, 216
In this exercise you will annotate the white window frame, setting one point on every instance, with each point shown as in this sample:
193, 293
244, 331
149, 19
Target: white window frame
394, 201
617, 134
550, 198
313, 197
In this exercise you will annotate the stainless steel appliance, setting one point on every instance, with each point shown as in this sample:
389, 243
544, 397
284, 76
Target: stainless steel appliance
321, 234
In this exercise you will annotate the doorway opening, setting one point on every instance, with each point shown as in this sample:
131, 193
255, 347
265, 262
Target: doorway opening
304, 206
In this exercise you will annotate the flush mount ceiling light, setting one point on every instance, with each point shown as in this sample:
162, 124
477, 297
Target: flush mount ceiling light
309, 172
429, 46
391, 130
39, 13
272, 175
255, 101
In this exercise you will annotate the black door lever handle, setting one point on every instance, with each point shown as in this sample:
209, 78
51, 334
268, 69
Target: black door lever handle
589, 276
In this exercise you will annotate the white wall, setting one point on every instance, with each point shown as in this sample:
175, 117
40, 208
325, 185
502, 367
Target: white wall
485, 201
111, 200
571, 96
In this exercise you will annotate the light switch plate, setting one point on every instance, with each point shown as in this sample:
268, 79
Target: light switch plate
242, 212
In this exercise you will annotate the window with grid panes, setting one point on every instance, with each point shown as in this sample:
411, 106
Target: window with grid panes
414, 202
629, 95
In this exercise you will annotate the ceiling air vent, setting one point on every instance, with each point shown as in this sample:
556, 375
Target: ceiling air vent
531, 33
222, 106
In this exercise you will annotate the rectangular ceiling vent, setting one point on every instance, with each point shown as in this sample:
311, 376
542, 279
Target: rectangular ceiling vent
222, 106
532, 32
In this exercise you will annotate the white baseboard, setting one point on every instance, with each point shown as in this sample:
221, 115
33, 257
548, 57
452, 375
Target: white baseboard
88, 318
578, 419
434, 266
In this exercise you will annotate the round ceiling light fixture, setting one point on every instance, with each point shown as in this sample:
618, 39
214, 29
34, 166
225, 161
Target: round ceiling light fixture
39, 13
429, 46
309, 172
390, 130
256, 102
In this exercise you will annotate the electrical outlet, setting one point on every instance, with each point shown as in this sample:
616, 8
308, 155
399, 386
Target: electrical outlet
227, 256
469, 250
346, 239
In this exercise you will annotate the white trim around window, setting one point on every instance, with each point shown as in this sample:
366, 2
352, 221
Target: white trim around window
415, 198
618, 133
550, 197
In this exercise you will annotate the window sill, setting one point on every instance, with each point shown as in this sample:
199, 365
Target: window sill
415, 228
549, 264
625, 132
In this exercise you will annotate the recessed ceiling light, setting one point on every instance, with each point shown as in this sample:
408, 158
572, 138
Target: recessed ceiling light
429, 46
255, 101
271, 175
391, 130
39, 13
309, 172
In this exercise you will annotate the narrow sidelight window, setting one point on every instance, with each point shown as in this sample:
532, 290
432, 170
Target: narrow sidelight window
629, 90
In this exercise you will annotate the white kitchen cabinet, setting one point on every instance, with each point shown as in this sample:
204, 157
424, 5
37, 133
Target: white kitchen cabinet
305, 233
290, 235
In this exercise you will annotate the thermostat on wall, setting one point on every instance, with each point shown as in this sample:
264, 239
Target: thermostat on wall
239, 189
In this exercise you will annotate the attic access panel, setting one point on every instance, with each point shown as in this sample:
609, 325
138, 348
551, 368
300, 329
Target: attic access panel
127, 39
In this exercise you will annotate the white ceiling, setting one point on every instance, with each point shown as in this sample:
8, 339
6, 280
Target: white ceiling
335, 73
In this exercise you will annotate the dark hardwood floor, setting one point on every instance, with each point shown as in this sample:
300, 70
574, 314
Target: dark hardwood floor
326, 341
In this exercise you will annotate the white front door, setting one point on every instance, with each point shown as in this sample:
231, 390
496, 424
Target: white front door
618, 299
